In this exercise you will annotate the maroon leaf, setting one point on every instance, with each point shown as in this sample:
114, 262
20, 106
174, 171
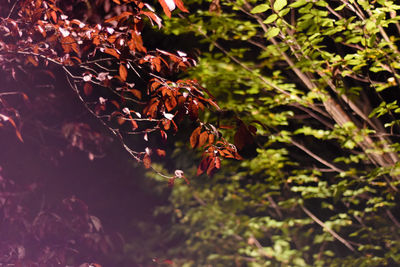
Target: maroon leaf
147, 161
123, 72
194, 138
203, 138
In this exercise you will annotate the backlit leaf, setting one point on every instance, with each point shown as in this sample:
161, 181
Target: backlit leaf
165, 7
112, 52
123, 72
272, 32
87, 89
260, 8
147, 161
279, 4
194, 138
271, 19
203, 138
160, 152
180, 5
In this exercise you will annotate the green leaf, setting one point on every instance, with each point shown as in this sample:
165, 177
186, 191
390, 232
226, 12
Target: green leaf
272, 32
284, 11
340, 7
298, 3
321, 3
370, 26
279, 4
260, 8
271, 19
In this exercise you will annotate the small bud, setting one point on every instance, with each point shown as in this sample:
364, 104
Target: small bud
102, 100
391, 81
147, 150
126, 111
168, 116
179, 173
87, 78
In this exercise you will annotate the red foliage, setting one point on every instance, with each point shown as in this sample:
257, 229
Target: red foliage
107, 65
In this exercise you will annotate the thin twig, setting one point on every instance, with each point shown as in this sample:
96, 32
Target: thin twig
12, 9
134, 154
329, 230
391, 216
315, 156
275, 206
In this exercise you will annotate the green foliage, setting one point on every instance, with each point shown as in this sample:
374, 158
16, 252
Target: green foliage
319, 185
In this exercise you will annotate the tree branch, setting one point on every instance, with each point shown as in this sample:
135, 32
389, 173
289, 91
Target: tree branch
324, 226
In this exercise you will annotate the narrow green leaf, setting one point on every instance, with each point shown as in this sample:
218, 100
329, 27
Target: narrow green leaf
340, 7
260, 8
298, 3
284, 11
271, 19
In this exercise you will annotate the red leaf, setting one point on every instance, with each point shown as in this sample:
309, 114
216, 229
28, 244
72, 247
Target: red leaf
136, 42
203, 138
51, 74
170, 103
53, 15
154, 86
168, 262
203, 165
226, 127
18, 134
147, 161
242, 137
161, 152
123, 72
211, 166
134, 123
252, 129
180, 5
238, 157
163, 135
87, 89
151, 109
136, 93
226, 153
194, 138
12, 122
211, 139
171, 182
69, 44
165, 8
153, 17
217, 163
193, 111
239, 140
157, 63
166, 124
115, 103
25, 97
121, 120
112, 52
32, 60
